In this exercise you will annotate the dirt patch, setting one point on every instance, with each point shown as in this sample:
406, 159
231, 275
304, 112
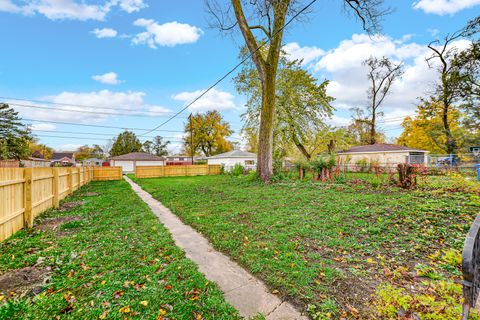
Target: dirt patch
22, 281
67, 206
51, 224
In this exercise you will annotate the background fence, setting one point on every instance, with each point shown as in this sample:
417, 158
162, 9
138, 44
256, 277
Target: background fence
176, 171
27, 192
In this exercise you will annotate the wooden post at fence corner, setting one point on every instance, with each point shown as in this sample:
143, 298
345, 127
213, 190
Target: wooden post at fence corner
56, 188
28, 215
70, 180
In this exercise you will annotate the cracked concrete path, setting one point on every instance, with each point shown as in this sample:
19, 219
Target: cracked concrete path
243, 291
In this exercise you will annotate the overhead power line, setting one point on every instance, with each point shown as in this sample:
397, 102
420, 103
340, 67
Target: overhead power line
82, 138
98, 126
79, 105
88, 111
93, 133
233, 69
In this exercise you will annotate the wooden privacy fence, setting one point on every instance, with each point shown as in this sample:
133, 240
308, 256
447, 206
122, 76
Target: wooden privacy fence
176, 171
107, 173
27, 192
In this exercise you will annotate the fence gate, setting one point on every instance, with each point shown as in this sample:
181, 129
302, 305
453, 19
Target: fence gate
471, 268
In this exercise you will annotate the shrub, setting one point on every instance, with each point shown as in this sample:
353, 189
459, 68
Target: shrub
277, 166
323, 166
362, 165
237, 170
302, 166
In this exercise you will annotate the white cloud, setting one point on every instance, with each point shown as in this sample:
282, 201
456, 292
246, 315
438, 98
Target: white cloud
68, 147
42, 127
70, 9
158, 110
168, 34
105, 33
89, 104
108, 78
348, 82
308, 54
212, 100
132, 5
9, 6
443, 7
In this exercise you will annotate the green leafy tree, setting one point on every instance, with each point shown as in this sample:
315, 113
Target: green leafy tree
159, 148
125, 142
39, 150
448, 90
147, 146
467, 66
14, 136
267, 19
302, 105
97, 151
210, 134
361, 127
83, 153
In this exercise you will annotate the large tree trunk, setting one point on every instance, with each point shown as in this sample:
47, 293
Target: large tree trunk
450, 143
265, 136
373, 132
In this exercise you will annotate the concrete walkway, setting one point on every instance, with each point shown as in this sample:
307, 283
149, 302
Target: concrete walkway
242, 290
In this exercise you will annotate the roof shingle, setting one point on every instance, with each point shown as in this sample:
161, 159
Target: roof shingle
138, 156
233, 154
381, 147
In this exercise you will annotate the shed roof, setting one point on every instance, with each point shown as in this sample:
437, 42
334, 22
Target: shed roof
138, 156
381, 147
234, 154
61, 155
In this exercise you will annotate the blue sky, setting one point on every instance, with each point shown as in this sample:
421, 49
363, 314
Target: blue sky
155, 56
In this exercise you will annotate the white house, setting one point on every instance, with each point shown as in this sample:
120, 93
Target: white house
130, 161
229, 159
384, 154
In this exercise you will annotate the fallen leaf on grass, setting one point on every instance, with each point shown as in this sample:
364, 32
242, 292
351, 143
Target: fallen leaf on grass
144, 303
125, 309
117, 294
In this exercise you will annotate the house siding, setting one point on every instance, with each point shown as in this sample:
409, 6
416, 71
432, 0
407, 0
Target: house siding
229, 163
383, 158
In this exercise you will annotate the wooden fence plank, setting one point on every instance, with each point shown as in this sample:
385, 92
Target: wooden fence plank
176, 171
28, 197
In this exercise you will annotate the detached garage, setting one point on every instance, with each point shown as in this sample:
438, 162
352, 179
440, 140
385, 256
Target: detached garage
229, 159
129, 161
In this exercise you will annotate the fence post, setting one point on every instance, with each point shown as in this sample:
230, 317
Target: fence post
70, 180
56, 187
28, 194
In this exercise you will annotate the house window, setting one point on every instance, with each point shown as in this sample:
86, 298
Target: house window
249, 162
416, 158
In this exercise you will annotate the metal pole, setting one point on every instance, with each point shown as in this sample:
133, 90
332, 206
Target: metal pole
191, 138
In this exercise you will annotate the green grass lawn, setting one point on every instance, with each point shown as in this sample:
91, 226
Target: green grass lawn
355, 249
103, 256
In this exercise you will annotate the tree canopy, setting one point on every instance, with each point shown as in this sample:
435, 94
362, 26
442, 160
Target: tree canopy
210, 134
14, 136
302, 104
125, 142
426, 131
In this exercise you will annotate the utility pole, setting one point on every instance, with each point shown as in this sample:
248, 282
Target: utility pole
192, 152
